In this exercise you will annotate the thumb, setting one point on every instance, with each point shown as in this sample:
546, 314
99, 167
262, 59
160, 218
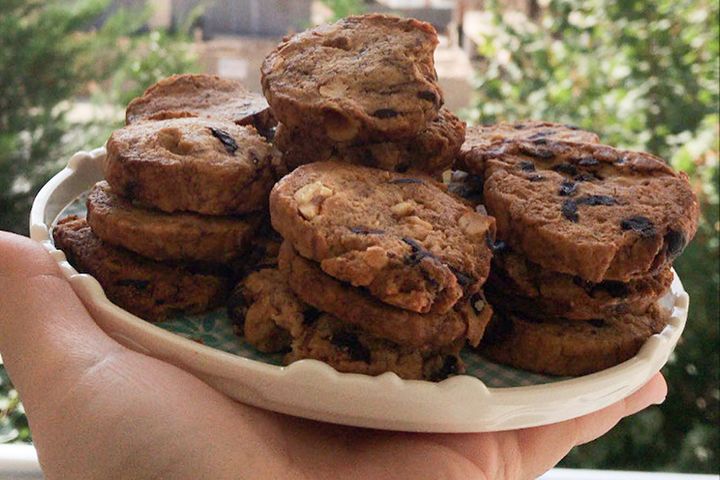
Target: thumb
47, 338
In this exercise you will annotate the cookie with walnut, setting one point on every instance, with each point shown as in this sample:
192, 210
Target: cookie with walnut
204, 96
363, 78
432, 151
589, 210
200, 165
402, 237
481, 138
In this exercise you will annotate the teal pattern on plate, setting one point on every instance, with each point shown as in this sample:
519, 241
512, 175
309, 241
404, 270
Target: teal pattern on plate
215, 329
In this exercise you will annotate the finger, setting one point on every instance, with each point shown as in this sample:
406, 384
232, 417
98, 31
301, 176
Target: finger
541, 448
47, 337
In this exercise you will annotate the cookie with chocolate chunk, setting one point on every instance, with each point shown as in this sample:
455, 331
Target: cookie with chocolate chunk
481, 138
402, 237
149, 289
348, 349
192, 164
363, 78
204, 96
518, 285
161, 236
589, 210
356, 307
568, 347
432, 151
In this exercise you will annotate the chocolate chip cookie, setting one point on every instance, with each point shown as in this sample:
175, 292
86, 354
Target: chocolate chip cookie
588, 210
567, 347
161, 236
481, 138
151, 290
521, 286
428, 332
192, 164
200, 95
348, 349
363, 78
402, 237
432, 151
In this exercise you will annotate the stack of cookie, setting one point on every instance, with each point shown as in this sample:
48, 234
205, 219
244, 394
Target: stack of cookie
587, 237
379, 271
185, 193
363, 90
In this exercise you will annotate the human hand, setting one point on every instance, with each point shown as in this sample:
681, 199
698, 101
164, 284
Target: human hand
99, 410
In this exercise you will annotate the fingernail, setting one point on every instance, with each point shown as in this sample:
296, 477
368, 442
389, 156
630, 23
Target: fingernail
660, 401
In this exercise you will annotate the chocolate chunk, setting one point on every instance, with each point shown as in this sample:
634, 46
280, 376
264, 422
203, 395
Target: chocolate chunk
526, 166
536, 152
566, 168
535, 177
595, 200
641, 225
427, 95
567, 189
675, 241
450, 367
228, 142
597, 322
586, 177
366, 231
310, 315
349, 342
385, 113
136, 284
400, 181
588, 162
519, 126
569, 210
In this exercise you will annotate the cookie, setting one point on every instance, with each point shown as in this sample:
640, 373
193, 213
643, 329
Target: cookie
363, 78
481, 138
402, 237
521, 286
403, 327
267, 312
567, 347
161, 236
587, 210
432, 151
192, 164
148, 289
200, 95
348, 349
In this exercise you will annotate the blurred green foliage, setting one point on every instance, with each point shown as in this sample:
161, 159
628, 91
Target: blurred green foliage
644, 76
344, 8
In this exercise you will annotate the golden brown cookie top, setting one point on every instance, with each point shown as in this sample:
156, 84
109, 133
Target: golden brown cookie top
361, 78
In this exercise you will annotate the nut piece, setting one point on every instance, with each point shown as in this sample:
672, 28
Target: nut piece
402, 209
376, 257
473, 224
310, 197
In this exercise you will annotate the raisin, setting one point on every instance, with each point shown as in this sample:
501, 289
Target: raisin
366, 231
597, 322
588, 162
136, 284
535, 177
566, 168
385, 113
349, 342
519, 126
569, 210
310, 316
536, 152
595, 200
675, 241
427, 95
399, 181
450, 366
526, 166
228, 142
567, 189
586, 177
641, 225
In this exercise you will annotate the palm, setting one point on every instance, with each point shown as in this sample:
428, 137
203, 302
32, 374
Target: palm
98, 410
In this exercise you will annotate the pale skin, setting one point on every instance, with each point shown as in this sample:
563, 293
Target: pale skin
99, 411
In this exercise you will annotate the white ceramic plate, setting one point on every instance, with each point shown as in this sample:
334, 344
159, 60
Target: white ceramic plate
312, 389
